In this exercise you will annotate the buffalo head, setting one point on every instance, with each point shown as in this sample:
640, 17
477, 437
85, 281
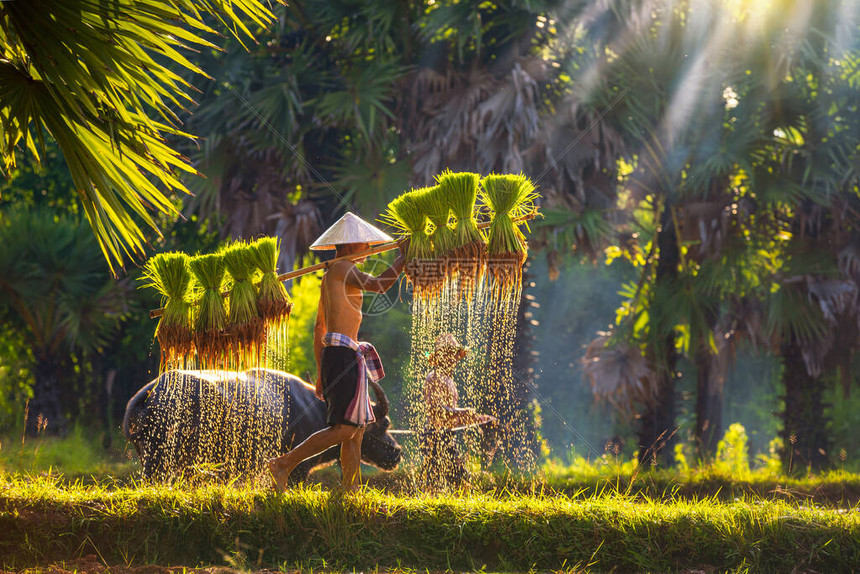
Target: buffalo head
378, 447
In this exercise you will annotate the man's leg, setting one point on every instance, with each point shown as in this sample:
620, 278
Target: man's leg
350, 461
282, 466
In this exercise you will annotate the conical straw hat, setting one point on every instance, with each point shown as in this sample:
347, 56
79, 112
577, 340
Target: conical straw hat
448, 342
350, 229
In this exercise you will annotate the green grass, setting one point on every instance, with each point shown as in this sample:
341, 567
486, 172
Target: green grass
43, 520
66, 499
833, 488
79, 454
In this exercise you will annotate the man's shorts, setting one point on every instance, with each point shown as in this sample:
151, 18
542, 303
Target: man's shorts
339, 378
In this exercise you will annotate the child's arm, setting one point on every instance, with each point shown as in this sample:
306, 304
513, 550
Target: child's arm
450, 415
458, 417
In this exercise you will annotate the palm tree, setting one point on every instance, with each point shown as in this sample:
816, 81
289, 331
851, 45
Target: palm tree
656, 121
97, 78
55, 291
349, 116
816, 147
717, 186
302, 125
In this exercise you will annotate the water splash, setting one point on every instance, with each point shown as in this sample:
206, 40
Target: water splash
485, 320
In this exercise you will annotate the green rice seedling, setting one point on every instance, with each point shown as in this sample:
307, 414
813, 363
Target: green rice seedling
508, 197
460, 191
405, 215
435, 205
244, 324
407, 219
210, 324
273, 302
468, 256
168, 274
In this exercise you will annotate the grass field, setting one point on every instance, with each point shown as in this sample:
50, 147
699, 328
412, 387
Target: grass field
44, 521
575, 518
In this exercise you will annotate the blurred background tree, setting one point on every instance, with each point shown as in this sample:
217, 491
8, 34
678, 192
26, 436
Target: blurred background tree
55, 293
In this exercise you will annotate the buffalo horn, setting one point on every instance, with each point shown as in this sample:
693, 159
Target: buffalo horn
381, 399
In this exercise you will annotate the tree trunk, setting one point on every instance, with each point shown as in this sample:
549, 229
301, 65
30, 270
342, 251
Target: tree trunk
44, 410
107, 408
804, 431
709, 405
657, 424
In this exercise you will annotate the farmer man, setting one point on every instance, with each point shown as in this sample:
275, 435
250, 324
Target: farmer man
343, 364
443, 463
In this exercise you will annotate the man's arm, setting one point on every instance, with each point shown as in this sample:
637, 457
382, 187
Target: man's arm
382, 282
319, 332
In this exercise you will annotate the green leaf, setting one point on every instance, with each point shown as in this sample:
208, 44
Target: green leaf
98, 77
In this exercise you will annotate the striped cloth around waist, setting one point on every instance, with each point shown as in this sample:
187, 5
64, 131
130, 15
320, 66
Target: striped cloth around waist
360, 410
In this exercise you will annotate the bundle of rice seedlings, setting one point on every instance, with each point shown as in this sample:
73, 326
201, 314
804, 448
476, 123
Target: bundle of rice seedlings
437, 206
467, 258
244, 324
404, 214
432, 202
273, 301
508, 197
407, 219
168, 274
210, 338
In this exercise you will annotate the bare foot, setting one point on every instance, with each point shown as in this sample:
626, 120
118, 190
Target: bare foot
278, 476
351, 488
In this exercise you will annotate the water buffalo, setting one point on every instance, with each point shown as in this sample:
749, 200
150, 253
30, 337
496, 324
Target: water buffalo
232, 422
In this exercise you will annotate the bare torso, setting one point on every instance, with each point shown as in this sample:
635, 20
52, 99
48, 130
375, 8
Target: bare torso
341, 295
341, 302
440, 398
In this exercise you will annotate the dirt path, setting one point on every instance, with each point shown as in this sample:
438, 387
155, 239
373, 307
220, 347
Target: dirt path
92, 564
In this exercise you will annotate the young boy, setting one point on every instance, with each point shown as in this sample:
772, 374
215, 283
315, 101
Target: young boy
443, 463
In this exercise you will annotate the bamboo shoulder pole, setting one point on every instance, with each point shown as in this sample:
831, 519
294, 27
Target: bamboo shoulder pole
326, 264
155, 313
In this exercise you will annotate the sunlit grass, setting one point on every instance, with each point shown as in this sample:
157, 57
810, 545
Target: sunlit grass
194, 525
80, 453
835, 488
575, 517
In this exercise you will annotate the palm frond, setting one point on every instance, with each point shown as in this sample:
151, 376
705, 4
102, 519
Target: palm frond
618, 372
588, 231
365, 103
99, 78
790, 314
